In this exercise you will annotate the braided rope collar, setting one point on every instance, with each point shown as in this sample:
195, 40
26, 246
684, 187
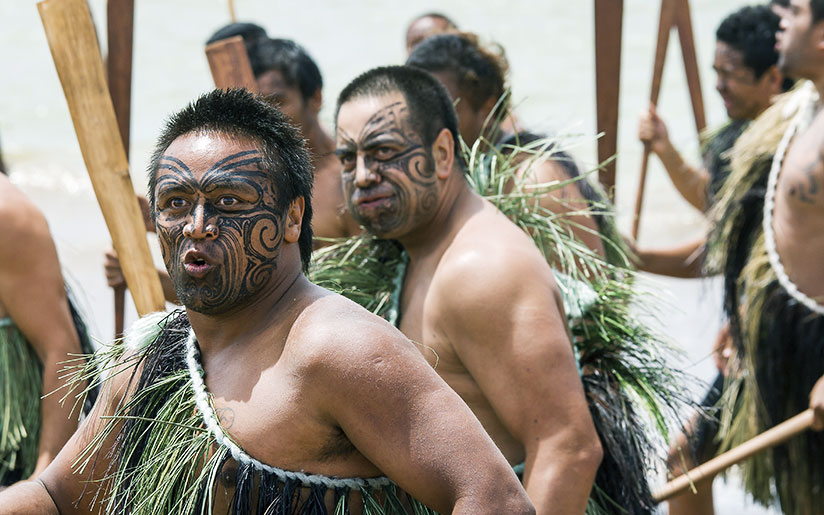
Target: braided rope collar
210, 420
808, 98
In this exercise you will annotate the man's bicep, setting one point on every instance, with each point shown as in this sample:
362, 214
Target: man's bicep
416, 430
520, 355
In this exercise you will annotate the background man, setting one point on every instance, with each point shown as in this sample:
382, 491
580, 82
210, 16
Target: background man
345, 393
38, 331
477, 293
770, 237
475, 78
425, 25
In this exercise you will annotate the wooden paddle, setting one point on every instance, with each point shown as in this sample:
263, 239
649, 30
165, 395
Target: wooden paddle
770, 438
230, 64
666, 22
120, 33
609, 15
674, 14
73, 43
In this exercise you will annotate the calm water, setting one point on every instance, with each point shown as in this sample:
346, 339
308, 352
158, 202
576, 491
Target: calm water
550, 48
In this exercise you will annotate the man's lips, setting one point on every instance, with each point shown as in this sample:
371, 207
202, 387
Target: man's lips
367, 201
196, 263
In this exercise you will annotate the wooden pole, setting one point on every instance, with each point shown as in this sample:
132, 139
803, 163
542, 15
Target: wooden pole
73, 43
666, 22
770, 438
232, 15
230, 64
683, 20
609, 15
120, 34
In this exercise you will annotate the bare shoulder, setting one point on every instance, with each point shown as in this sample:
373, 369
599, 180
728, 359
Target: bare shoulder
333, 335
491, 256
23, 222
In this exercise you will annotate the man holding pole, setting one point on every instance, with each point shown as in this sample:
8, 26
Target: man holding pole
769, 241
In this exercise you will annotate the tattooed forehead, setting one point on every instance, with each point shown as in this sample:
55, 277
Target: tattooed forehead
390, 122
248, 162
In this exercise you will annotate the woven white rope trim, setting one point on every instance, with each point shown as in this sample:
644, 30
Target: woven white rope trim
205, 407
803, 116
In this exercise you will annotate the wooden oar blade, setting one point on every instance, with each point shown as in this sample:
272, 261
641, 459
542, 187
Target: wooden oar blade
609, 16
71, 36
230, 65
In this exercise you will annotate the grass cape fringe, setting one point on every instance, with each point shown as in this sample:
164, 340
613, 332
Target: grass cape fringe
779, 350
21, 384
164, 460
624, 373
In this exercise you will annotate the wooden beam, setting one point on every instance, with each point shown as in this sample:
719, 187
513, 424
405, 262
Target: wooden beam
73, 43
120, 34
609, 15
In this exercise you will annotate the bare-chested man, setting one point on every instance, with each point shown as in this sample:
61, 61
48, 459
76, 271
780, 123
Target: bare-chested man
326, 395
477, 293
773, 237
37, 333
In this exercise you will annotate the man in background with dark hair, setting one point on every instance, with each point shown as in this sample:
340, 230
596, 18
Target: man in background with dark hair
475, 78
426, 25
747, 79
477, 293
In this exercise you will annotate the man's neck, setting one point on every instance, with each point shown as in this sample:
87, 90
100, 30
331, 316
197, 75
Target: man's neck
432, 240
217, 332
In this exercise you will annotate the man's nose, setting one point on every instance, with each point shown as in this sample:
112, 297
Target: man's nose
203, 224
365, 176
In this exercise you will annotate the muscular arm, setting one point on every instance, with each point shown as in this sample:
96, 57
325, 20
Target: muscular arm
684, 260
33, 294
58, 490
511, 335
399, 414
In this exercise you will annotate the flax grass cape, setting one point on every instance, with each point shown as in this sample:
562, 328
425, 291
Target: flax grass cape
165, 460
779, 342
623, 368
21, 384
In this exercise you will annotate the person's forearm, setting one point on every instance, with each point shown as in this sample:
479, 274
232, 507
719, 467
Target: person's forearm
493, 503
560, 482
58, 423
684, 261
692, 183
25, 498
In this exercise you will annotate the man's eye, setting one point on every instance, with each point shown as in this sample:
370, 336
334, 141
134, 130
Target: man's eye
384, 153
177, 203
227, 201
346, 159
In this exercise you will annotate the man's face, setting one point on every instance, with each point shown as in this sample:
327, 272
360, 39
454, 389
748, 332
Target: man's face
470, 120
388, 176
219, 227
287, 98
794, 40
744, 95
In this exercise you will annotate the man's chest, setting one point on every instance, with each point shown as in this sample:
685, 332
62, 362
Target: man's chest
800, 187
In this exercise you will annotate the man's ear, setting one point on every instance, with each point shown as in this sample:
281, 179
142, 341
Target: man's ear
443, 153
316, 101
294, 220
774, 79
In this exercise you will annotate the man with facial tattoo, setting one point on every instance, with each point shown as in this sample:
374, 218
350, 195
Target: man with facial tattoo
477, 293
267, 393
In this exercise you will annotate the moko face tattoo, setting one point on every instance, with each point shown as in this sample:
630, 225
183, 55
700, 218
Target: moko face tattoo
219, 228
388, 175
